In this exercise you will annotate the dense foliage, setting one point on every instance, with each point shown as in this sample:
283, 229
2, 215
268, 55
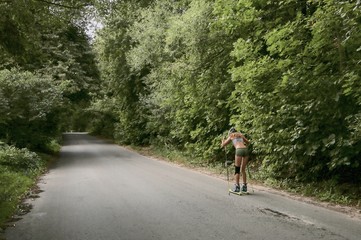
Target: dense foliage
18, 167
47, 75
28, 108
163, 78
47, 70
295, 71
286, 73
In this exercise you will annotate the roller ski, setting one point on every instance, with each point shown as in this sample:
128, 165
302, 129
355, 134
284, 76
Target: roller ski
237, 190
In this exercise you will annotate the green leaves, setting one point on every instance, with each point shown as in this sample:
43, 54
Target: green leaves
28, 102
286, 73
27, 96
293, 76
19, 160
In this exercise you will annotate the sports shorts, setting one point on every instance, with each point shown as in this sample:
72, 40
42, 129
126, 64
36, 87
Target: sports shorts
242, 152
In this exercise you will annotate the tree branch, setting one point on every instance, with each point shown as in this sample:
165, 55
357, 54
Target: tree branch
62, 5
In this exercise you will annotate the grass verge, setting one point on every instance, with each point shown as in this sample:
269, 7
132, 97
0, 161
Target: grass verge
12, 189
19, 172
325, 191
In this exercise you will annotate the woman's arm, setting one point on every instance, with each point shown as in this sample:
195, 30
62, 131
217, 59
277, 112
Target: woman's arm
245, 139
225, 142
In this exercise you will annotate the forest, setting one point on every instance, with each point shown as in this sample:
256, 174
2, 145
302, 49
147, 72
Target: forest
176, 75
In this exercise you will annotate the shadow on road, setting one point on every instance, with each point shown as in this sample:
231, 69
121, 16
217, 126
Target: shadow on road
78, 138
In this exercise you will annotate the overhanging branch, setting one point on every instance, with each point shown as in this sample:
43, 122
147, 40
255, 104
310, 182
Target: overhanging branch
63, 5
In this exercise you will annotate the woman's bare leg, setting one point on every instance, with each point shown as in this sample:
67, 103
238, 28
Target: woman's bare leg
244, 162
237, 163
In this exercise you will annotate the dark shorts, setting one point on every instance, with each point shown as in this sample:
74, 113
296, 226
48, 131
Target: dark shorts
242, 152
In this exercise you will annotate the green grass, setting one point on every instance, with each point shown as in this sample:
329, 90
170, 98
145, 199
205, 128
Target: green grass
12, 189
325, 191
168, 154
19, 171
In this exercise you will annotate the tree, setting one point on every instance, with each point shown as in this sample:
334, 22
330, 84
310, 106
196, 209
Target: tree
30, 108
289, 69
179, 73
120, 82
47, 39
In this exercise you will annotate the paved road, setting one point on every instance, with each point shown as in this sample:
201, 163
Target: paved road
99, 191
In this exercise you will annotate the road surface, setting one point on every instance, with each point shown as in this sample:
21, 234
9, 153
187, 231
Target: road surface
100, 191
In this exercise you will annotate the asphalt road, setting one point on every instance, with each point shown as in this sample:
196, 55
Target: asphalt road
100, 191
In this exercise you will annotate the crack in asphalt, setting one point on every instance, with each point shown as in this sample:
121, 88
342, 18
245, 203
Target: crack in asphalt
278, 214
275, 213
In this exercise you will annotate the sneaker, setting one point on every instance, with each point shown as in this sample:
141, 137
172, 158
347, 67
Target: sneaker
236, 188
244, 187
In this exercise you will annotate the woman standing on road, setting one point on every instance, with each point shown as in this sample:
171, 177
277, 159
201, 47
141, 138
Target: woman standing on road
240, 143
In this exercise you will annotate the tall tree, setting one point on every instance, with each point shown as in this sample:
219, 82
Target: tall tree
181, 72
47, 38
120, 82
289, 69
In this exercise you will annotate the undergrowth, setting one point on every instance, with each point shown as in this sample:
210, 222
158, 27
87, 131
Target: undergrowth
325, 191
19, 170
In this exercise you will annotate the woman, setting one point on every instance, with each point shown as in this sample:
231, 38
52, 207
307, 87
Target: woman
240, 143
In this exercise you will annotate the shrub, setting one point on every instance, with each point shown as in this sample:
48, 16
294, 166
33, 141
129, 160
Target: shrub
19, 160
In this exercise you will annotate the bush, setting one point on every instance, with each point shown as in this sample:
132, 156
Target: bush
19, 160
29, 108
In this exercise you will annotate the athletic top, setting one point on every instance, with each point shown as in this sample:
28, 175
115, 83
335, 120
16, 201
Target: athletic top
236, 137
235, 140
